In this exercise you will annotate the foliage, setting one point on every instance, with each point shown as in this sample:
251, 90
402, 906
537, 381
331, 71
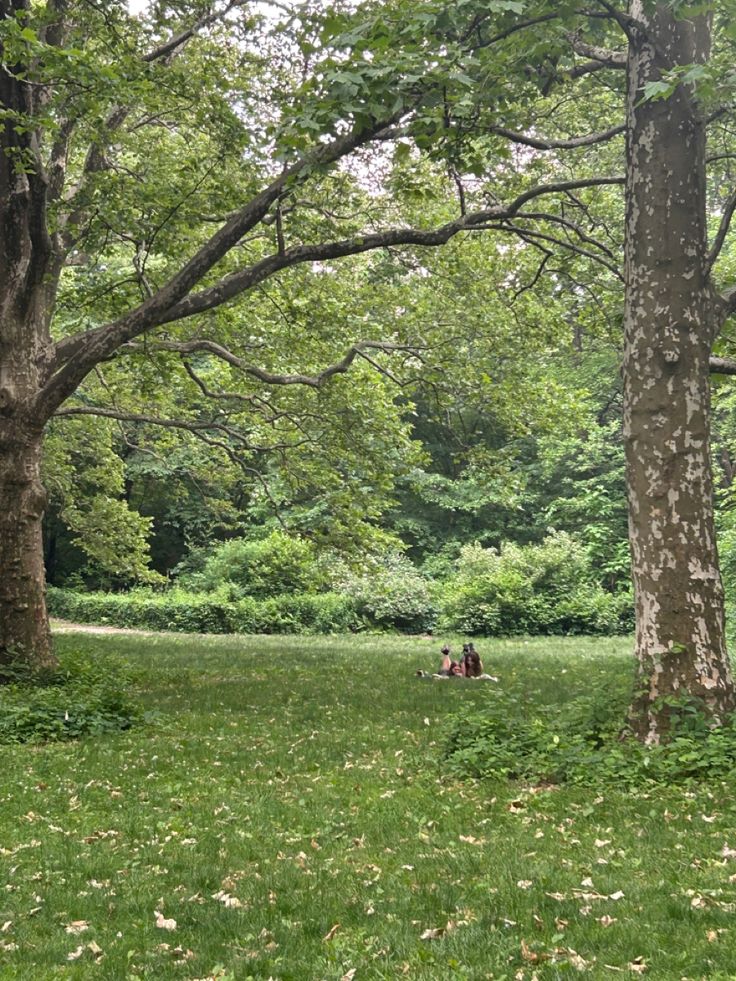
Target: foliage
218, 613
389, 591
85, 479
581, 742
279, 563
73, 700
529, 589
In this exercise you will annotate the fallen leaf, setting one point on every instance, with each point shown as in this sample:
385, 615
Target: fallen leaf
77, 926
331, 933
728, 852
616, 895
74, 955
524, 883
433, 934
162, 923
228, 901
638, 965
349, 975
607, 920
531, 955
6, 926
578, 962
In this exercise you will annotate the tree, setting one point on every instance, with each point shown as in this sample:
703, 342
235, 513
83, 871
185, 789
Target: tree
447, 87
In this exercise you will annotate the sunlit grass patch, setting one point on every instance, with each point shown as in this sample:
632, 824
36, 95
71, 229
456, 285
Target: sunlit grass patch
291, 814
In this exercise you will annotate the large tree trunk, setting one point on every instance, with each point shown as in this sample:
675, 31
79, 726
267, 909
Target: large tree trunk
24, 629
670, 321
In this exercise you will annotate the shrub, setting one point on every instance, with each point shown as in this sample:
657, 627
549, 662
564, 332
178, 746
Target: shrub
66, 703
531, 589
184, 612
270, 566
390, 592
581, 743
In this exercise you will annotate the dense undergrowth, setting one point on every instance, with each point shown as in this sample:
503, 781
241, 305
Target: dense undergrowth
278, 586
75, 699
585, 741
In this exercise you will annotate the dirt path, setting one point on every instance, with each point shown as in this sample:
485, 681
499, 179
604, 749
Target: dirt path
65, 627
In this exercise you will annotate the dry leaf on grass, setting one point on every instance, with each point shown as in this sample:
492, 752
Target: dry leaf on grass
228, 901
331, 933
162, 922
77, 926
349, 975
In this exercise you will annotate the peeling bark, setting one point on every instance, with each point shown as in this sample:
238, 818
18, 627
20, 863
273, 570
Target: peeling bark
671, 318
24, 628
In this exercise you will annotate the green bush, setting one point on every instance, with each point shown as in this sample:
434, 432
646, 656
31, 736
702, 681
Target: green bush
531, 589
581, 743
72, 701
270, 566
184, 612
389, 592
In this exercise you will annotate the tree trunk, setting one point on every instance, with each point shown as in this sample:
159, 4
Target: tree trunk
24, 628
670, 321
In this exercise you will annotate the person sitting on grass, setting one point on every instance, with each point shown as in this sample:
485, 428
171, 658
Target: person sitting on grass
471, 662
469, 666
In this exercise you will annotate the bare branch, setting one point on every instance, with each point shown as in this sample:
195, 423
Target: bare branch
722, 366
170, 47
267, 377
723, 228
539, 143
604, 56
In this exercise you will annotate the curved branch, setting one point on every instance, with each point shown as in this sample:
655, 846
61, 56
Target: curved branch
722, 233
236, 283
76, 356
268, 377
539, 143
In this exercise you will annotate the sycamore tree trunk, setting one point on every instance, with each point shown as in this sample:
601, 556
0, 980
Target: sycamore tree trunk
670, 319
24, 629
28, 276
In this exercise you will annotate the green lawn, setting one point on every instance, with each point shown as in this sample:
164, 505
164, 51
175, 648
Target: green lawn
290, 813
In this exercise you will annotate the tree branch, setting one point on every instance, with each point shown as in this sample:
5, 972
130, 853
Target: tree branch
722, 366
539, 143
723, 228
77, 355
267, 377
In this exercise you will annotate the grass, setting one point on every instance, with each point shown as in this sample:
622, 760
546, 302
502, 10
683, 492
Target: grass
290, 813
